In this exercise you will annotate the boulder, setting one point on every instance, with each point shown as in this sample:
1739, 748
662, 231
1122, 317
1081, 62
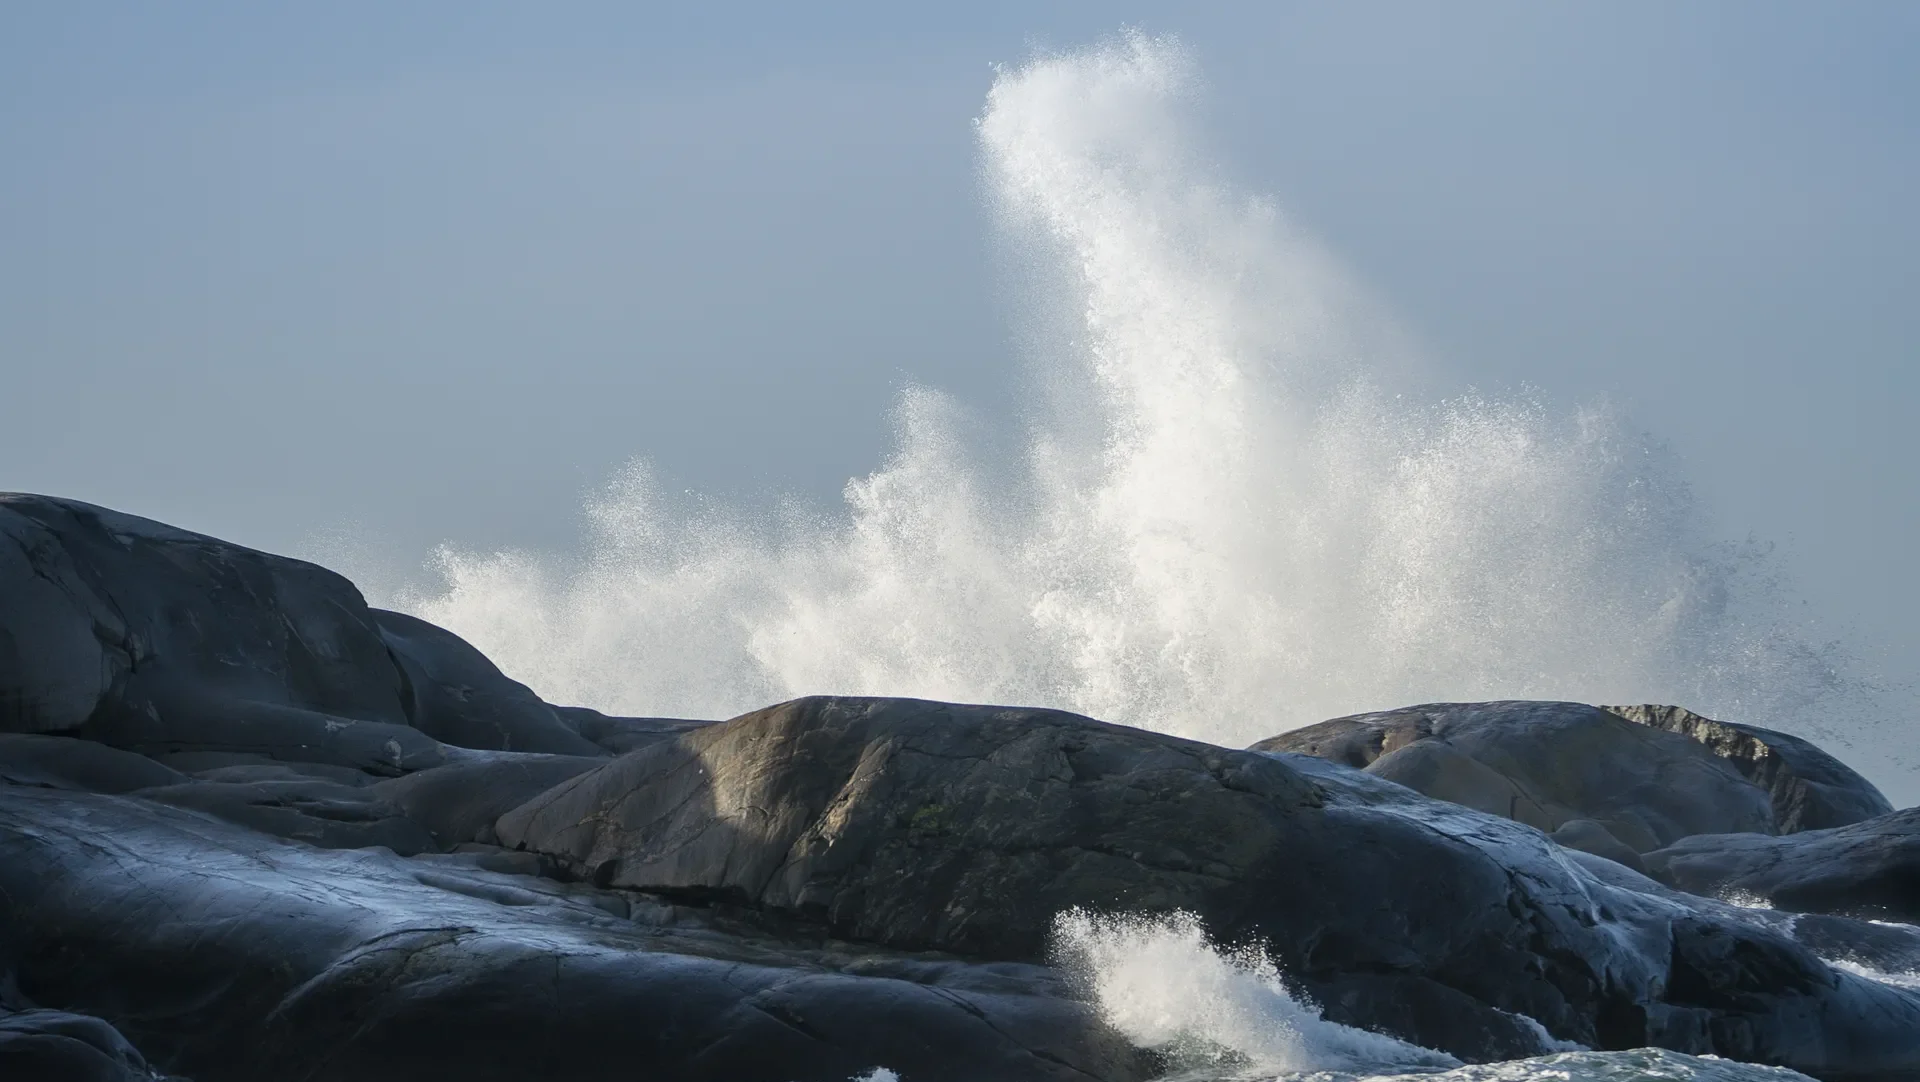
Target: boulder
1869, 869
162, 642
55, 1046
459, 802
228, 766
1809, 789
122, 615
1589, 836
229, 956
620, 735
1546, 764
921, 825
320, 813
455, 695
62, 762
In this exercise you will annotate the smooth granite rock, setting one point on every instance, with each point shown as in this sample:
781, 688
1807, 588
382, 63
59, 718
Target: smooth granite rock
39, 1045
62, 762
1546, 764
459, 802
621, 735
923, 825
455, 695
1809, 789
176, 620
228, 956
1869, 869
320, 813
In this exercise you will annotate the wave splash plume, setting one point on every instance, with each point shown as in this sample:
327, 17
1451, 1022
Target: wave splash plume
1159, 981
1225, 1015
1224, 522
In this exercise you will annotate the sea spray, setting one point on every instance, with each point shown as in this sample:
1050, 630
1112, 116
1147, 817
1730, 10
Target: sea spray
1163, 984
1229, 519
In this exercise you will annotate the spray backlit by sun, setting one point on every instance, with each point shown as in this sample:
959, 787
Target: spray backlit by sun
1224, 524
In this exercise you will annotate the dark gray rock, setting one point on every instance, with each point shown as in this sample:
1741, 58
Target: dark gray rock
320, 813
455, 695
54, 1046
156, 640
1592, 837
176, 617
932, 826
228, 956
62, 762
1869, 869
1809, 789
459, 802
226, 766
1546, 764
251, 730
621, 735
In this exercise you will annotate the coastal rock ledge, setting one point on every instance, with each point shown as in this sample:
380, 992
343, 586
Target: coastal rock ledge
251, 828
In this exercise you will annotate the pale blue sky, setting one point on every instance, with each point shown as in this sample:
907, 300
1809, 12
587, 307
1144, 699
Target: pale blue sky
432, 271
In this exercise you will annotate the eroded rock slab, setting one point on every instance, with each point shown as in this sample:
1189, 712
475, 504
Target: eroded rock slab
1809, 789
1869, 869
226, 955
930, 825
1547, 764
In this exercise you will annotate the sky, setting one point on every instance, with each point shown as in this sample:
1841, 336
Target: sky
393, 275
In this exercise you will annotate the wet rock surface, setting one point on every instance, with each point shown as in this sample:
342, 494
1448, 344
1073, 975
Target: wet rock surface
1869, 869
1547, 764
1809, 789
57, 1046
251, 828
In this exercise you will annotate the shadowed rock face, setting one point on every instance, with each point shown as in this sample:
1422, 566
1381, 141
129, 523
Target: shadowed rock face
1547, 764
1869, 869
1809, 789
454, 694
57, 1046
227, 955
161, 641
174, 613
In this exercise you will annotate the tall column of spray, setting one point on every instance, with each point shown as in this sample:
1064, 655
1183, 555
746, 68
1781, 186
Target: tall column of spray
1228, 521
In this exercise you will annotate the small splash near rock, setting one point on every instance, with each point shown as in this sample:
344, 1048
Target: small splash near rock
1164, 984
1638, 1065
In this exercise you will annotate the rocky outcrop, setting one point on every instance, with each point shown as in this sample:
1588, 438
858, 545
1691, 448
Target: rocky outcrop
158, 641
459, 802
1869, 869
1809, 789
109, 617
56, 1046
229, 956
452, 693
621, 735
260, 830
932, 826
1548, 765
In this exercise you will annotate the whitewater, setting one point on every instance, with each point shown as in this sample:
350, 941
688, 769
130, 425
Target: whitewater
1225, 522
1233, 512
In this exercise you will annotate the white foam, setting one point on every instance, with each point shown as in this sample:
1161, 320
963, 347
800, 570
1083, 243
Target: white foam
1162, 984
1908, 979
1224, 524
